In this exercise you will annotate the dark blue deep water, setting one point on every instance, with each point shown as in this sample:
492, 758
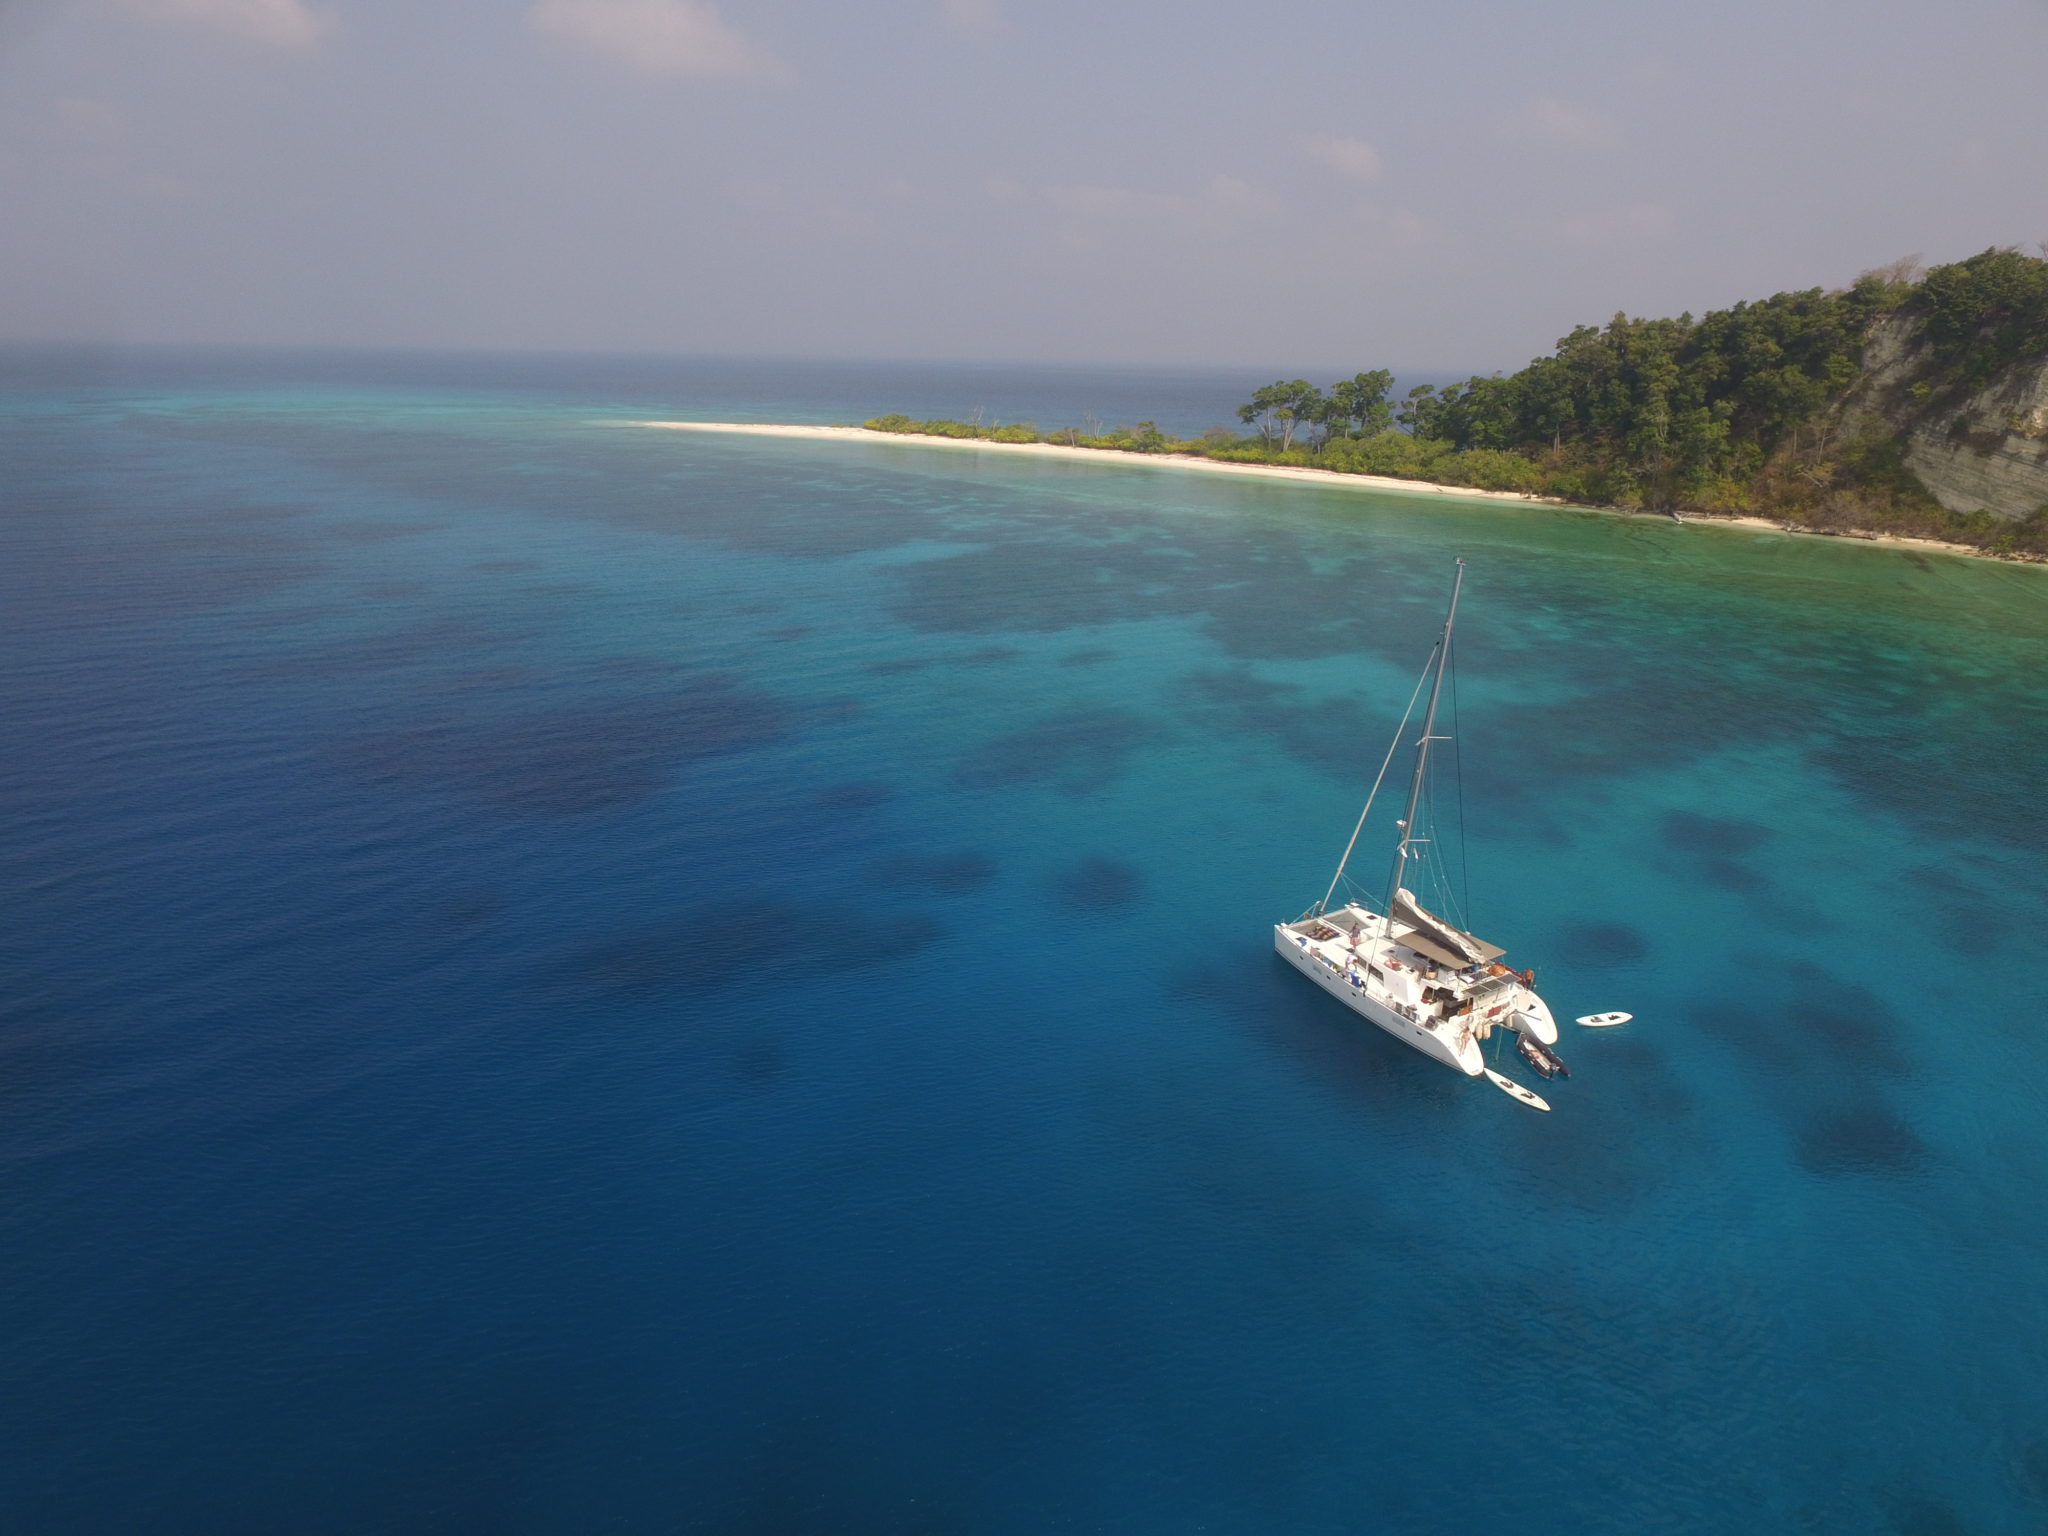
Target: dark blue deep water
560, 977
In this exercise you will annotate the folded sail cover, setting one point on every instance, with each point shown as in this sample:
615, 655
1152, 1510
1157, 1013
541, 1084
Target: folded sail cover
1438, 939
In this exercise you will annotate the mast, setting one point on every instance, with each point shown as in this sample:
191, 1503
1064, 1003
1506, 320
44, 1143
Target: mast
1436, 687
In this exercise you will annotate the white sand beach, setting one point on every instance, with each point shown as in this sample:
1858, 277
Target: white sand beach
1382, 483
1104, 456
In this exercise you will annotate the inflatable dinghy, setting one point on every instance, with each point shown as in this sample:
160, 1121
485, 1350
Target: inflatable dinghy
1541, 1057
1514, 1090
1605, 1020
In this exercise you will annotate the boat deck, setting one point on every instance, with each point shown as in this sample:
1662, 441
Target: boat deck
1355, 946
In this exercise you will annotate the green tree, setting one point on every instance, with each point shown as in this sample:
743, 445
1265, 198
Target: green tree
1418, 412
1261, 409
1301, 405
1985, 313
1283, 409
1359, 405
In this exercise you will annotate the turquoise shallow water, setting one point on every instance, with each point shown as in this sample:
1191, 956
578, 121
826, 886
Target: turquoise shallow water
566, 978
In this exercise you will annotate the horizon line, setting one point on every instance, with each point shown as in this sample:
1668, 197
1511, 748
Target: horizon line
107, 344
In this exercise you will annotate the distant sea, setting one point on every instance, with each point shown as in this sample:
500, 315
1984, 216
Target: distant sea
558, 977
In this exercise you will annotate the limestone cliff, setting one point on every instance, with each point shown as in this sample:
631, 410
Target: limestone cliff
1983, 452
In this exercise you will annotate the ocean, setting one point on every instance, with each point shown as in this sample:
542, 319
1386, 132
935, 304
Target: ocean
561, 977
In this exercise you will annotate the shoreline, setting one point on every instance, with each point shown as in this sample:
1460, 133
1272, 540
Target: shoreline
1383, 483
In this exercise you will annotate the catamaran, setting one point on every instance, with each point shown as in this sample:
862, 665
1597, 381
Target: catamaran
1418, 976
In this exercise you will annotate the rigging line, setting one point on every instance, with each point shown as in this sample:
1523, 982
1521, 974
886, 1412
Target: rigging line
1464, 863
1450, 901
1433, 877
1392, 747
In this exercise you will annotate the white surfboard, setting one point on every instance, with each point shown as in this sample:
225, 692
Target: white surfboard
1515, 1090
1605, 1020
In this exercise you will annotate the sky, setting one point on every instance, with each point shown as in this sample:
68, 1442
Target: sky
1429, 185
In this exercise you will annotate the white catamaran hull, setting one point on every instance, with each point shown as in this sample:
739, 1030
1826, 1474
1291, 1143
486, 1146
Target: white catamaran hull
1461, 1051
1533, 1019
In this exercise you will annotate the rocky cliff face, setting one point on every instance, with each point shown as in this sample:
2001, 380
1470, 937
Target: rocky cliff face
1988, 453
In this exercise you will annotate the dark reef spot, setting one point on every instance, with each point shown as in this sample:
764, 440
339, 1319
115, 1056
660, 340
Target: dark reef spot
1097, 885
265, 514
893, 665
1236, 687
1574, 1151
948, 874
789, 1481
88, 567
375, 533
828, 711
2033, 1469
1080, 749
987, 656
1605, 944
1920, 561
590, 757
860, 796
1694, 833
1757, 1038
1656, 1089
1035, 585
1832, 1028
275, 620
505, 567
565, 595
1969, 920
1334, 735
1870, 1030
1917, 1515
1731, 876
1860, 1032
635, 668
1860, 1139
1087, 657
1638, 712
725, 944
493, 680
1262, 593
428, 641
1966, 747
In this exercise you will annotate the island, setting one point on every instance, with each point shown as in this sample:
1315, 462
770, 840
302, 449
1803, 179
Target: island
1911, 404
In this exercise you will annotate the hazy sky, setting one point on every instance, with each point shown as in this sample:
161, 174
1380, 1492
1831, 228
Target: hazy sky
1433, 184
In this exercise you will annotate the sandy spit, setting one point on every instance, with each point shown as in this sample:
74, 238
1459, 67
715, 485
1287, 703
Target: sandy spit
1291, 472
1103, 456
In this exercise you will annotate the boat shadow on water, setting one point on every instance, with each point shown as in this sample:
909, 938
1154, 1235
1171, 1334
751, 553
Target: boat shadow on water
1563, 1161
1341, 1051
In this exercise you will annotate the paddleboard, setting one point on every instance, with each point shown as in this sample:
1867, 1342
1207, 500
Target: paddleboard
1604, 1020
1514, 1090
